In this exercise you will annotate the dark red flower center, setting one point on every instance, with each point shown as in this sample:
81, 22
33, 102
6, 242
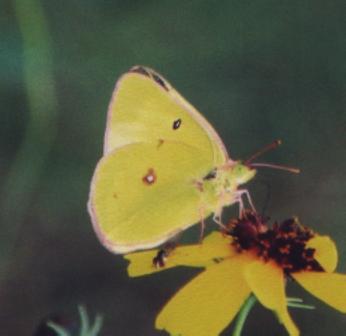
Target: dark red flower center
285, 243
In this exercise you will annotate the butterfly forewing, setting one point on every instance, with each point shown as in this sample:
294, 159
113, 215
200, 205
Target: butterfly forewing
145, 108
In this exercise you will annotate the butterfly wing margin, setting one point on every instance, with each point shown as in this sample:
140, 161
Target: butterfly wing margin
144, 193
143, 108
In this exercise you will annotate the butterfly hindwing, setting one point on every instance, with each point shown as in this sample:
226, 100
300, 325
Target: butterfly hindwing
144, 193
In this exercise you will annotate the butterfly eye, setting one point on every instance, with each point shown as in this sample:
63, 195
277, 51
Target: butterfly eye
176, 124
211, 175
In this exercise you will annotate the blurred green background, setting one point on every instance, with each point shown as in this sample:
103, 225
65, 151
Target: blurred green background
258, 70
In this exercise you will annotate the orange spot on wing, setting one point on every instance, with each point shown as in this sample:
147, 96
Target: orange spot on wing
150, 178
161, 141
199, 185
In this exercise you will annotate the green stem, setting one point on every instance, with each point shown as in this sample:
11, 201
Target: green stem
29, 162
242, 315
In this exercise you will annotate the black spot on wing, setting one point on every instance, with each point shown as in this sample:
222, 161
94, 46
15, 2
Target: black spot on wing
176, 124
149, 73
159, 81
140, 70
217, 260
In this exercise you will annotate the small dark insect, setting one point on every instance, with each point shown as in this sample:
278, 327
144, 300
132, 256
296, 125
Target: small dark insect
176, 124
159, 260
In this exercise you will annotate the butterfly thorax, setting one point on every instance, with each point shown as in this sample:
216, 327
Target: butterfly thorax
219, 186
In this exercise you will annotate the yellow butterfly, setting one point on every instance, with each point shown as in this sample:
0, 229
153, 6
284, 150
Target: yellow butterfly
164, 167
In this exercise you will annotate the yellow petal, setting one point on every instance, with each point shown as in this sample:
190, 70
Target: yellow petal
328, 287
141, 263
326, 253
213, 249
267, 282
206, 305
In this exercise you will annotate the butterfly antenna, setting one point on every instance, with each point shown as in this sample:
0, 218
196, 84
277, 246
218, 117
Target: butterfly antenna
273, 145
274, 166
265, 149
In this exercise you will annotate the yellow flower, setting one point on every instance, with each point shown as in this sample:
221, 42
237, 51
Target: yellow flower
250, 258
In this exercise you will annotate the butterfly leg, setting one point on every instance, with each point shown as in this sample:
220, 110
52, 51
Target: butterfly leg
217, 218
201, 234
239, 199
246, 192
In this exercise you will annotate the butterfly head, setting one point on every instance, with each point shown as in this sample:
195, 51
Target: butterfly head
241, 173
